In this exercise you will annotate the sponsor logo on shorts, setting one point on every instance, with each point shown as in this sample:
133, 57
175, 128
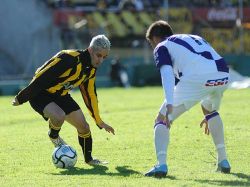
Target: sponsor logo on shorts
217, 82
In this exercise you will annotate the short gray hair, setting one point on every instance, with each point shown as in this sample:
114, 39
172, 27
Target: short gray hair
100, 42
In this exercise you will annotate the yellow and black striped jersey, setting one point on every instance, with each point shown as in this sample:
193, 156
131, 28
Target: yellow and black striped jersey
66, 70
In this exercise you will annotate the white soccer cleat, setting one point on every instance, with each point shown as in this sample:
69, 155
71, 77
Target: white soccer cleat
96, 162
57, 142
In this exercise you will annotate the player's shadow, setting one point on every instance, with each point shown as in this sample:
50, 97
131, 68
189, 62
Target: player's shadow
98, 170
125, 171
230, 182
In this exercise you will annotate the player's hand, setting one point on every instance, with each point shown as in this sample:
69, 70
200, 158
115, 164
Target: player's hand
204, 122
107, 128
169, 119
15, 102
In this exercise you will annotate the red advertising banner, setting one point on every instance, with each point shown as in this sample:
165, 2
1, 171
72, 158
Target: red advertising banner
215, 16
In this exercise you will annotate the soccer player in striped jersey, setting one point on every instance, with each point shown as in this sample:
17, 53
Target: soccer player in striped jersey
203, 77
48, 92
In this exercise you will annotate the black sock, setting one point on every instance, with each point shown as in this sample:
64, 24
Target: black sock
86, 144
53, 133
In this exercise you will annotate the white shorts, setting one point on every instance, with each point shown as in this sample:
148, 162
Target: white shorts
207, 89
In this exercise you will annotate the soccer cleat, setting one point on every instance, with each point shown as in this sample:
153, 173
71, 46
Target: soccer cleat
57, 142
158, 171
96, 162
224, 166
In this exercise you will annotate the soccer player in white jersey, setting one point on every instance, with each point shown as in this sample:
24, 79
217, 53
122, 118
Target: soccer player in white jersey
203, 77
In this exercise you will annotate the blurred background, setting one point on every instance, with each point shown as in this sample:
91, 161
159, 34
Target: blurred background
32, 31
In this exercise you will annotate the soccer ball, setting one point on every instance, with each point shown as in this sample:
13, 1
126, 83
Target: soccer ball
64, 156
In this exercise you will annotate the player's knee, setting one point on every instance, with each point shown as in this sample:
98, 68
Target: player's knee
160, 118
57, 119
83, 132
83, 128
206, 111
211, 115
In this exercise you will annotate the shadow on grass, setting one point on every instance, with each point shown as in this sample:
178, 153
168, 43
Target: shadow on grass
98, 170
236, 182
169, 177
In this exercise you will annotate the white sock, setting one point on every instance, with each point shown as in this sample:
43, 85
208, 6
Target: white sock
215, 126
161, 136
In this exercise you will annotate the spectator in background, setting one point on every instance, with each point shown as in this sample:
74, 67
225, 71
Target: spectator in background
118, 73
139, 5
127, 5
156, 4
113, 4
132, 5
102, 5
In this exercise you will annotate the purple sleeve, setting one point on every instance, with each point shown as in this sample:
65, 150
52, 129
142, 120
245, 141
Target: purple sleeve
162, 57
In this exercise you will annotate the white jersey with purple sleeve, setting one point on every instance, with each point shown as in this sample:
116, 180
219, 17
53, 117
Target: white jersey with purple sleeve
185, 56
188, 55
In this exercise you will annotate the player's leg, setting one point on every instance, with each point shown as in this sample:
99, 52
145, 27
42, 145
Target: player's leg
44, 104
184, 98
161, 140
161, 131
56, 118
215, 125
77, 119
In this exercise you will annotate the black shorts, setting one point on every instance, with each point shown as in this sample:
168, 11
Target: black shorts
66, 103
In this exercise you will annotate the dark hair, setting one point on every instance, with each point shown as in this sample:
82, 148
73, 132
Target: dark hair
160, 29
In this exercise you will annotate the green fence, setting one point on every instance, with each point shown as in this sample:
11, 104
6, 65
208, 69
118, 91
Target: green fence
240, 63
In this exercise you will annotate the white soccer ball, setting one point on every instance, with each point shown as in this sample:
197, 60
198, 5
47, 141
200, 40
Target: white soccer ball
64, 156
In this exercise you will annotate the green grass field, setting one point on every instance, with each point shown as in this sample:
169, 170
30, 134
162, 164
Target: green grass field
25, 153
